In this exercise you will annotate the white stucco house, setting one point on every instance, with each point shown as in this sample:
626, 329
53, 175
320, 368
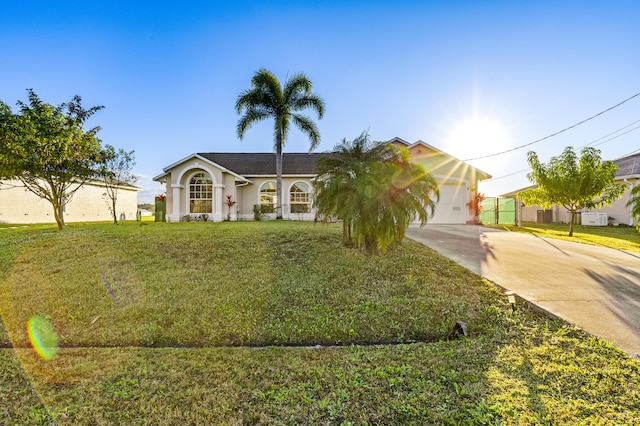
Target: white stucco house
628, 174
201, 182
89, 204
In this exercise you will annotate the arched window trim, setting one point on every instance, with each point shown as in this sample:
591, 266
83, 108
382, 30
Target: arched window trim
300, 202
200, 195
268, 199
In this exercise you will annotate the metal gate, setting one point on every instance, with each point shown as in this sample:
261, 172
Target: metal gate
500, 211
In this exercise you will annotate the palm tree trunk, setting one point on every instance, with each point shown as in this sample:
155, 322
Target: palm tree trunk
279, 174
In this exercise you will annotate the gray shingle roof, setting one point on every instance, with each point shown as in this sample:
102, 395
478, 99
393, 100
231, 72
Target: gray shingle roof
258, 163
629, 165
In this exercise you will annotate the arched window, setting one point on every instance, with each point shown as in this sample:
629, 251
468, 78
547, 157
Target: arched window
299, 198
201, 193
268, 197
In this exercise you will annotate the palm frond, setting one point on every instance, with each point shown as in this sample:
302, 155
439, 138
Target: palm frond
296, 85
251, 116
308, 127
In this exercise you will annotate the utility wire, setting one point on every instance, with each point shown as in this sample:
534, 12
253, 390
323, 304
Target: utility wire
613, 133
556, 133
583, 146
631, 153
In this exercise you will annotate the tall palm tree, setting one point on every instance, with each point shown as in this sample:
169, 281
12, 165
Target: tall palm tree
267, 98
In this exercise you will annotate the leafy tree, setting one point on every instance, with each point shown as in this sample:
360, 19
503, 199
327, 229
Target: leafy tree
574, 183
268, 99
116, 170
47, 150
634, 205
375, 190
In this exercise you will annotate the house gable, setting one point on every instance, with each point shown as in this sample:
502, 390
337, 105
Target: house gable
441, 165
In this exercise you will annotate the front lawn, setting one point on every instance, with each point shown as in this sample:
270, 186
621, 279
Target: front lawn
620, 238
194, 323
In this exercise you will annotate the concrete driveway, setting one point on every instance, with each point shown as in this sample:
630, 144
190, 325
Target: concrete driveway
595, 288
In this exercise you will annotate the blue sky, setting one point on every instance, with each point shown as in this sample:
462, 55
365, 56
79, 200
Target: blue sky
469, 77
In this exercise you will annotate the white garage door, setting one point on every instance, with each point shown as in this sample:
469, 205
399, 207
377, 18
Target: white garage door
452, 206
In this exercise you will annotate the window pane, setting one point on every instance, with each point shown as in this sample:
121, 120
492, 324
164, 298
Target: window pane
299, 198
201, 193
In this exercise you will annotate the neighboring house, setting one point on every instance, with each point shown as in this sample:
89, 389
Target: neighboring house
200, 183
89, 204
628, 174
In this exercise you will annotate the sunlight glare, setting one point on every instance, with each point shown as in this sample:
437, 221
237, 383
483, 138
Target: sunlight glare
479, 136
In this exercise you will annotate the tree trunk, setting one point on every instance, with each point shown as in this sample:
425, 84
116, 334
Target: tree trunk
113, 209
345, 231
573, 218
59, 215
279, 174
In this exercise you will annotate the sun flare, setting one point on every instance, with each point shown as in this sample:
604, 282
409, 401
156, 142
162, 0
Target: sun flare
479, 136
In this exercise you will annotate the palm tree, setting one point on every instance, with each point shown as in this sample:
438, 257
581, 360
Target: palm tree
634, 204
338, 173
267, 98
375, 190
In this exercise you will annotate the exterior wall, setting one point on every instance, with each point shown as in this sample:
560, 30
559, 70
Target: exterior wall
619, 211
448, 171
560, 214
246, 195
251, 196
177, 188
88, 204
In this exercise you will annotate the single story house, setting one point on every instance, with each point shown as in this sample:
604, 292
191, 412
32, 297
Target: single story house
201, 183
89, 204
628, 173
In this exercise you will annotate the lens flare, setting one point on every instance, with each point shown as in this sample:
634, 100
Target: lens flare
43, 337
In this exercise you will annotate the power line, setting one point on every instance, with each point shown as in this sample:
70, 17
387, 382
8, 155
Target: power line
510, 174
631, 153
556, 133
615, 137
613, 133
583, 146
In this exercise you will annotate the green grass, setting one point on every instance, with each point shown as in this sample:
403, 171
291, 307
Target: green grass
229, 284
200, 317
620, 238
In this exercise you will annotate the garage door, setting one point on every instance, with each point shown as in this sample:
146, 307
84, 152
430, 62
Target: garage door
452, 206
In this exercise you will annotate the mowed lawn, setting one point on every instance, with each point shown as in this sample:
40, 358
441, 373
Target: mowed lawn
620, 238
278, 323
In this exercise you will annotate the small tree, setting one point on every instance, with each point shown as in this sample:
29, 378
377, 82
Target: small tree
47, 150
375, 190
116, 171
230, 203
475, 205
574, 183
